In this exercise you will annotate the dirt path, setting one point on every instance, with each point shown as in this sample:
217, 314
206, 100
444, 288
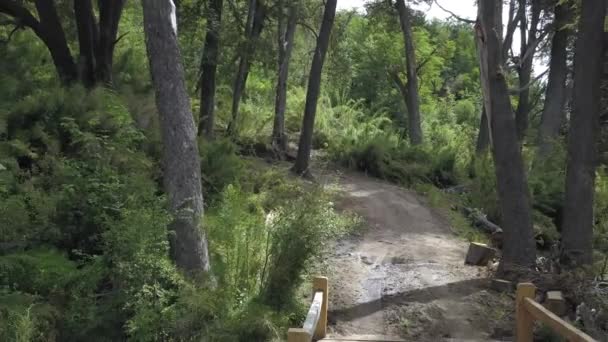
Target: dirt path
404, 275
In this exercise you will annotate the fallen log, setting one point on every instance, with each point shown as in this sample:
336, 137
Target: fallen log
481, 221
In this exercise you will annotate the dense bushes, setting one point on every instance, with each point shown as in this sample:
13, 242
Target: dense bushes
84, 241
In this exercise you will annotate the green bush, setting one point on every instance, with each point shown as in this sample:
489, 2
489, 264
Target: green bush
483, 193
220, 166
299, 229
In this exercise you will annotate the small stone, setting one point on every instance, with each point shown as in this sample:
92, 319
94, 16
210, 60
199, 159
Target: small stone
366, 260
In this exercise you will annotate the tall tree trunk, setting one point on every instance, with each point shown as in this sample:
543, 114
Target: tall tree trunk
181, 163
285, 45
518, 244
483, 137
413, 106
394, 75
513, 20
53, 36
314, 87
257, 15
87, 40
577, 228
110, 12
553, 113
209, 68
526, 58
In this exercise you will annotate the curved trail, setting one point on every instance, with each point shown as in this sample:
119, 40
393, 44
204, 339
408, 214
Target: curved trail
405, 274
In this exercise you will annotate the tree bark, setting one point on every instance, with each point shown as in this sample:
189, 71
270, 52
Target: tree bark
314, 87
413, 106
110, 12
483, 137
96, 42
254, 26
54, 38
526, 58
577, 228
181, 163
88, 37
514, 19
209, 69
394, 75
553, 113
286, 33
519, 246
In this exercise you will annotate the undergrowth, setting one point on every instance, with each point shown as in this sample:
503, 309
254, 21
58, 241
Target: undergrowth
83, 231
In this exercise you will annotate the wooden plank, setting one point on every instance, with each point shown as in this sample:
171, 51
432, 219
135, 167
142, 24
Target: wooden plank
524, 321
314, 313
321, 284
562, 327
363, 338
298, 335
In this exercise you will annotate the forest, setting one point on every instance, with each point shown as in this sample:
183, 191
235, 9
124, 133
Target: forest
163, 163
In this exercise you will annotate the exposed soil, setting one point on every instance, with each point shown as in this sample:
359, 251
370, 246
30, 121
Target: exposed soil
405, 274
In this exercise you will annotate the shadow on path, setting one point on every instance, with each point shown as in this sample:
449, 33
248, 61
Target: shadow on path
422, 295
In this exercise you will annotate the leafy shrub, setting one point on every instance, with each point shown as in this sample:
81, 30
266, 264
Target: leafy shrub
220, 165
299, 230
483, 193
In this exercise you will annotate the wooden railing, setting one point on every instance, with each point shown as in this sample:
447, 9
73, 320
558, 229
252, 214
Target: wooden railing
528, 311
315, 325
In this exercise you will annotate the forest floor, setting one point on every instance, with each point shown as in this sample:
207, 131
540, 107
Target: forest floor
404, 273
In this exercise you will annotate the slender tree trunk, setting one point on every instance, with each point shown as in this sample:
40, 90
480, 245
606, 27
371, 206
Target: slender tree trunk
87, 41
110, 12
314, 87
483, 137
209, 68
394, 75
577, 228
413, 106
513, 20
518, 243
53, 36
182, 173
553, 113
526, 58
285, 45
257, 15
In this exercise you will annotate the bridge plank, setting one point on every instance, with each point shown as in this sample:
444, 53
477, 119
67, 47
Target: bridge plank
363, 338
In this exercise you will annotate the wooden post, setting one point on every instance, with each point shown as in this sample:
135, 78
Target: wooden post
321, 284
525, 321
298, 335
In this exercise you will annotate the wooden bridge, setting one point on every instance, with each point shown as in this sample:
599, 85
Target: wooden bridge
528, 311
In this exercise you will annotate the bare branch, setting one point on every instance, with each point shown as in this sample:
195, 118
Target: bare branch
514, 91
10, 35
426, 60
511, 26
21, 14
454, 15
306, 26
120, 37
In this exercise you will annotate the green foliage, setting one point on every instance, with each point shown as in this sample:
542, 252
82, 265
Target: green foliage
220, 166
483, 194
298, 231
601, 223
446, 203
